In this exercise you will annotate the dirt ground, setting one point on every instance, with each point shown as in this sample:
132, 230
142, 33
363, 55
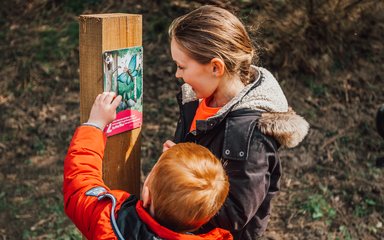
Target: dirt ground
327, 55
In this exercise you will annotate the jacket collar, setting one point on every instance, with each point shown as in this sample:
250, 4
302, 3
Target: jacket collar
166, 233
266, 96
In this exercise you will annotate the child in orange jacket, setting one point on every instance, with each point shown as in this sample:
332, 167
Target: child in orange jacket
185, 188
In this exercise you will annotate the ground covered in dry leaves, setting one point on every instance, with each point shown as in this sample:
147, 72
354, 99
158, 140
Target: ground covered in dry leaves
327, 56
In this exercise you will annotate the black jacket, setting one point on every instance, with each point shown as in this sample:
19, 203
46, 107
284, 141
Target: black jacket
240, 138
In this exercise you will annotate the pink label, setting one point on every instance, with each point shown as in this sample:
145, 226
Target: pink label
125, 120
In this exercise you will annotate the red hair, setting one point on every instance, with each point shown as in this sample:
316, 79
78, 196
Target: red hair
188, 185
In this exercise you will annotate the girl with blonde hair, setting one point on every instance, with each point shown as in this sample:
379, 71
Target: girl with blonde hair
235, 109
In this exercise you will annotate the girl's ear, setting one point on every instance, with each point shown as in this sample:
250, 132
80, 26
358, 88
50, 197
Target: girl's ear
146, 195
218, 67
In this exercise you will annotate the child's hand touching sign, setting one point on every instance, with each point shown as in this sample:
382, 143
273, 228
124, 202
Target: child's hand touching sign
104, 109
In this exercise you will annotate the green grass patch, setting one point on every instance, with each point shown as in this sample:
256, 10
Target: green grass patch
318, 208
365, 208
345, 234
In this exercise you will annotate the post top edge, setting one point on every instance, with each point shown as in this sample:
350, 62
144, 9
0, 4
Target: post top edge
109, 15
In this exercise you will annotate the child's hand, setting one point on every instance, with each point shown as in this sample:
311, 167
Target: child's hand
104, 109
167, 145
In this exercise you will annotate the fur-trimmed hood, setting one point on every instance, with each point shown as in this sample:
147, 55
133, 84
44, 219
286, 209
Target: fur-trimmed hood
288, 128
264, 95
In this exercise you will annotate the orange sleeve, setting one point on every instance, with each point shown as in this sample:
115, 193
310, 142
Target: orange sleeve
82, 172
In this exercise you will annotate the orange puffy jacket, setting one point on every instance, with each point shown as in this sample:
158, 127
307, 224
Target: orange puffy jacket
84, 202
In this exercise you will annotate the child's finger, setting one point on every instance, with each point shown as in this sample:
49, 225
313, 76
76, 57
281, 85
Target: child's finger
116, 102
98, 97
103, 96
167, 145
109, 97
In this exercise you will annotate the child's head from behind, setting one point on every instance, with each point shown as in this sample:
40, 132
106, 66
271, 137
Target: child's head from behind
187, 186
212, 32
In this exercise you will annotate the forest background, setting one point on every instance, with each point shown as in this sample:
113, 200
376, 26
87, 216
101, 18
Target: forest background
326, 54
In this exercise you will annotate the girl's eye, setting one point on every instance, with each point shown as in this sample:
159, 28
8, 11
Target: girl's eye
179, 67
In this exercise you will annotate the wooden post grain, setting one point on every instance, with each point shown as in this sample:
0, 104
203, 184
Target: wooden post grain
99, 33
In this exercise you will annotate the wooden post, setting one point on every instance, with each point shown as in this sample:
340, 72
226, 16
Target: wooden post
99, 33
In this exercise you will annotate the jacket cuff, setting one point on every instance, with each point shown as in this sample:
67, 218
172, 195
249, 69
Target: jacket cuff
92, 124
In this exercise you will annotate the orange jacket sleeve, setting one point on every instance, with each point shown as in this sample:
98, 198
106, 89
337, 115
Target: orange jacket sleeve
82, 172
